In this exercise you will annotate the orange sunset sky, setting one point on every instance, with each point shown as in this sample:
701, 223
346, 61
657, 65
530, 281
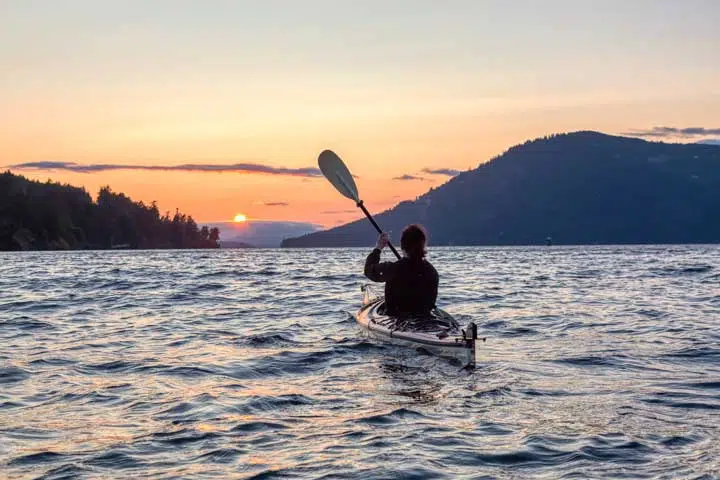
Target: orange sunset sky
394, 87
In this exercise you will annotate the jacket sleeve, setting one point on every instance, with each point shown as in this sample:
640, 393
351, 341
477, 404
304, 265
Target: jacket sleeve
433, 297
378, 271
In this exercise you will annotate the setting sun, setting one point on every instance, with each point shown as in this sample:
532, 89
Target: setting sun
239, 218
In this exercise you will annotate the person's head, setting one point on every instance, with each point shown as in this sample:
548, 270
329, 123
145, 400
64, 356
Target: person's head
413, 241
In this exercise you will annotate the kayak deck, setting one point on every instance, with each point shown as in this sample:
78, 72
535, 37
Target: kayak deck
439, 333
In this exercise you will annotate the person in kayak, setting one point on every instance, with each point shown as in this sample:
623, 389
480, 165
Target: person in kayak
411, 283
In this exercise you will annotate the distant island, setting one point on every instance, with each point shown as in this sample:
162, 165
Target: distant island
575, 188
235, 244
50, 216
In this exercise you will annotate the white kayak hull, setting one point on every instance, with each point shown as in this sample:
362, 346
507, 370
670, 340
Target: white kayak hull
438, 334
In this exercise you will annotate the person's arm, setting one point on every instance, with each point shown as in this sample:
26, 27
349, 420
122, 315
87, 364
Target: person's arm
435, 289
374, 269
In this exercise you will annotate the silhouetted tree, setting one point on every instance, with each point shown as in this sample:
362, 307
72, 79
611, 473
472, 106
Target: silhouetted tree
204, 233
35, 215
214, 235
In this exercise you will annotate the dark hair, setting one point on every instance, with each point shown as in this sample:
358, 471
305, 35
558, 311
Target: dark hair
413, 241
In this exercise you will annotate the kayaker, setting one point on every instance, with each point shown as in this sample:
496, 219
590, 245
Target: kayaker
411, 283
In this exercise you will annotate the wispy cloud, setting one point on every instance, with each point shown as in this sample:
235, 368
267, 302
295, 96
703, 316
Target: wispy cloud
662, 132
337, 212
407, 177
188, 167
450, 172
273, 204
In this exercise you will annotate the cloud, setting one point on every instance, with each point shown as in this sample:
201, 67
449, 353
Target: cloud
431, 171
407, 177
450, 172
273, 204
336, 212
674, 132
188, 167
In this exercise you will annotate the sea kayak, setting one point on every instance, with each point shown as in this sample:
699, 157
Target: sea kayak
438, 333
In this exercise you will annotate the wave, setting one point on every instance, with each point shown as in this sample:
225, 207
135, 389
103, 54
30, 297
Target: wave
35, 459
258, 426
393, 417
229, 274
10, 375
682, 270
270, 339
598, 361
266, 403
27, 323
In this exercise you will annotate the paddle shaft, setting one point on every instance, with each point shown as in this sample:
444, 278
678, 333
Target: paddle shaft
377, 227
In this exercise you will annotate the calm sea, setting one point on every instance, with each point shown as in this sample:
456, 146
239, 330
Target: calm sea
600, 362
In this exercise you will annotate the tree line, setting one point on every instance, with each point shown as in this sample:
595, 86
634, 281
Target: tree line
52, 216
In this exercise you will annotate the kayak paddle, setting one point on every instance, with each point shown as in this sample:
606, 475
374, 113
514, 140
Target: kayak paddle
340, 177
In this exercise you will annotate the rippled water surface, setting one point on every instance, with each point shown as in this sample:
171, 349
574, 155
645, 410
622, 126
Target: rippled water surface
600, 362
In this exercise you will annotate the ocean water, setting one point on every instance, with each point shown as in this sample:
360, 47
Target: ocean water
600, 362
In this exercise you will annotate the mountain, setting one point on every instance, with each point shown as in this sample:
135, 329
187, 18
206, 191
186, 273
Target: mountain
577, 188
710, 142
235, 244
261, 233
51, 216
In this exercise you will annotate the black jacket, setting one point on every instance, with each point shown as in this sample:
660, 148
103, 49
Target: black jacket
411, 285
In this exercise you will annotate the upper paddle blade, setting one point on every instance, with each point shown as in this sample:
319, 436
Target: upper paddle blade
337, 173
